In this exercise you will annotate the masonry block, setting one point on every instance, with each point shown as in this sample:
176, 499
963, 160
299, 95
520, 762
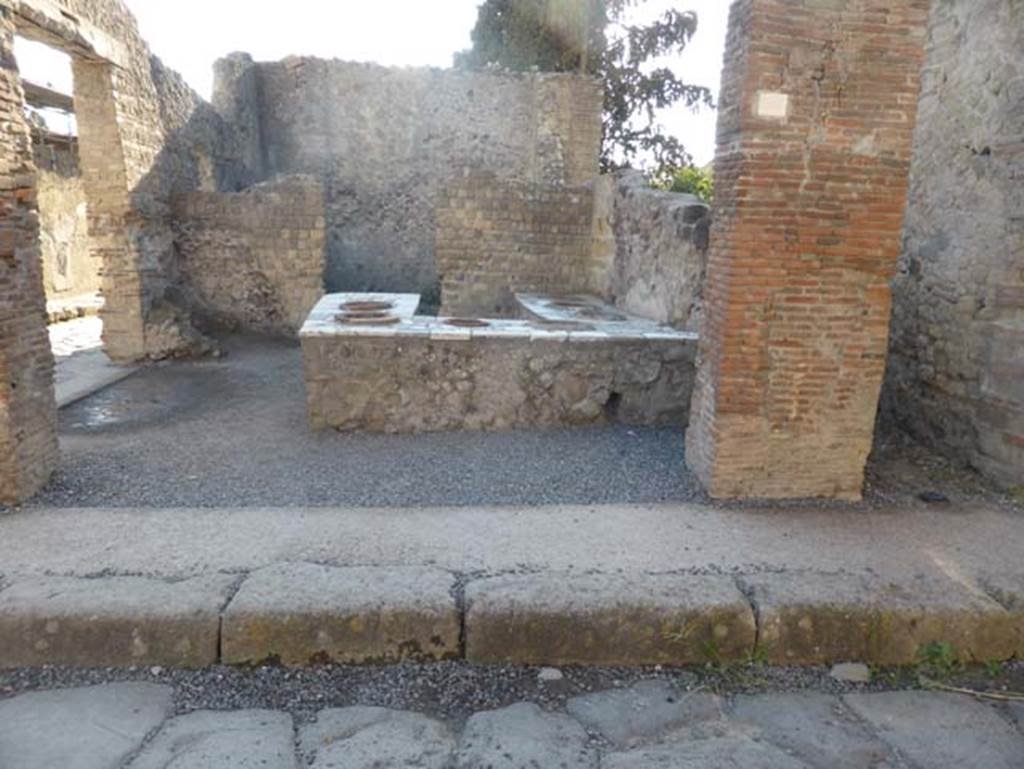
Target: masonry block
818, 108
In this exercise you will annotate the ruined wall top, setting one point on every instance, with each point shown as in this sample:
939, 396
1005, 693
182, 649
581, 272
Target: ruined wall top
389, 141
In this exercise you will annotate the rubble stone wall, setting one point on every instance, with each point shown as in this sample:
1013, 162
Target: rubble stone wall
424, 385
495, 238
660, 244
388, 142
68, 265
956, 358
254, 259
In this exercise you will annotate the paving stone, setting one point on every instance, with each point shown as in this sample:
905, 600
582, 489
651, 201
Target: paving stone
816, 727
610, 619
206, 739
524, 737
1017, 711
370, 738
816, 619
111, 621
730, 752
647, 710
92, 728
301, 613
942, 731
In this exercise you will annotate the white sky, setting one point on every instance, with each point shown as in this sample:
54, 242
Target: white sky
189, 35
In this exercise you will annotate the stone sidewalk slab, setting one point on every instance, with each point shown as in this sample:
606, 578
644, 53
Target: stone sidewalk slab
243, 739
111, 621
1008, 590
370, 738
941, 731
607, 619
85, 373
302, 613
96, 727
809, 618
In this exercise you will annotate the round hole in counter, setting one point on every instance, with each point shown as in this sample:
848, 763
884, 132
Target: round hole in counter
467, 323
366, 306
367, 318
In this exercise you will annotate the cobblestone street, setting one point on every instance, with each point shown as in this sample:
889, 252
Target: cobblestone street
653, 724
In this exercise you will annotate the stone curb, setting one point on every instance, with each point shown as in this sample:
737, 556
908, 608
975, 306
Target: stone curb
809, 619
302, 614
112, 621
607, 620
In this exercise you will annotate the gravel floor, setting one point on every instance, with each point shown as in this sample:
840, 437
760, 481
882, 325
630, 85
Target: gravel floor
232, 432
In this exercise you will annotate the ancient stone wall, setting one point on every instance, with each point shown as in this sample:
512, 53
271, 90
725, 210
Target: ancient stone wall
387, 143
28, 412
956, 366
254, 258
495, 238
142, 135
68, 265
818, 106
660, 252
425, 384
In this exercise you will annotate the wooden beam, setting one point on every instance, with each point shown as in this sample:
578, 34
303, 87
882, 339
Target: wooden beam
41, 96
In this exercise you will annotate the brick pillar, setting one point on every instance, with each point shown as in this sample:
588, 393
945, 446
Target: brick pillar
818, 105
112, 222
28, 410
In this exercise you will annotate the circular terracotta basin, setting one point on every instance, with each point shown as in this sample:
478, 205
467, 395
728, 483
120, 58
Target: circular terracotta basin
366, 318
366, 306
467, 323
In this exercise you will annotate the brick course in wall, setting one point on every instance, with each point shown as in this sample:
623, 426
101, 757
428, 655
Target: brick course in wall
819, 101
255, 258
28, 412
387, 143
495, 238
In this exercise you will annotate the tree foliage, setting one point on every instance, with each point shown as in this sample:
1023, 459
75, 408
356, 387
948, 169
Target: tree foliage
593, 37
691, 180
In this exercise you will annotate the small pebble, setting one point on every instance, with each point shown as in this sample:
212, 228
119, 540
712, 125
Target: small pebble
550, 674
851, 672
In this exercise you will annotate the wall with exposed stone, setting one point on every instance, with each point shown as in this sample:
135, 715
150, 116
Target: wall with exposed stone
495, 238
659, 252
143, 135
387, 143
253, 259
956, 358
28, 411
448, 382
68, 265
638, 247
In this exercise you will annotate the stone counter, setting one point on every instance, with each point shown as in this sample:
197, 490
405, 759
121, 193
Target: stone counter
420, 374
